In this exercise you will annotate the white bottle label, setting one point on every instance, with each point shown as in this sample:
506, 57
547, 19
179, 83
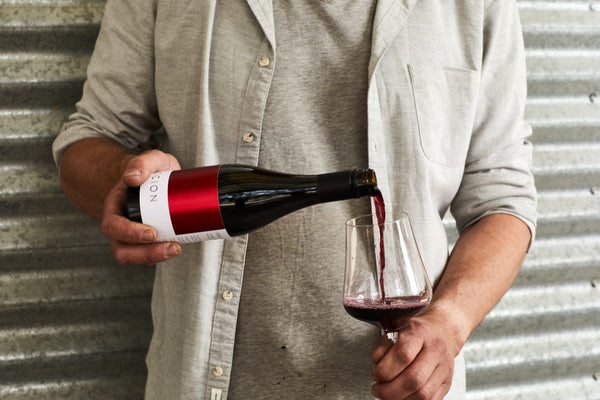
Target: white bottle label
154, 204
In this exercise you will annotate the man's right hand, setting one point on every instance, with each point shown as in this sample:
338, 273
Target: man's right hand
133, 242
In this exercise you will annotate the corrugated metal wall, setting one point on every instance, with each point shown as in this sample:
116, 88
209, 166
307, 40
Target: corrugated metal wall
543, 339
73, 325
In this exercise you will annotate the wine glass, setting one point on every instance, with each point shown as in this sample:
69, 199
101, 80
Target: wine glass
385, 280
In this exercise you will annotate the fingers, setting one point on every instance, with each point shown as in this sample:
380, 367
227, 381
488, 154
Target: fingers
399, 356
383, 345
116, 227
418, 366
435, 388
149, 254
427, 377
132, 242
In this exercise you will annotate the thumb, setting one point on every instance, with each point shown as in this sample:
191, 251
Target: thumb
133, 176
139, 168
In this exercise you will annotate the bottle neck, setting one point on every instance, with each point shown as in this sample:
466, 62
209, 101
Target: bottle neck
346, 185
365, 182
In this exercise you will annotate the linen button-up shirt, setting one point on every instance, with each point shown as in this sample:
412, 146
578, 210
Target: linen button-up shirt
445, 106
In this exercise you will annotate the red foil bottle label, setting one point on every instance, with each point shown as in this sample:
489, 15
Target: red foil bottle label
183, 206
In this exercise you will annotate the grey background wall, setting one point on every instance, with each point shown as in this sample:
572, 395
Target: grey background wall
74, 325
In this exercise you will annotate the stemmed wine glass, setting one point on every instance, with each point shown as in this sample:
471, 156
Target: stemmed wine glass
385, 279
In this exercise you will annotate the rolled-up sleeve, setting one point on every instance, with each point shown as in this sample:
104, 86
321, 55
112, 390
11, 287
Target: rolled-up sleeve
497, 176
118, 100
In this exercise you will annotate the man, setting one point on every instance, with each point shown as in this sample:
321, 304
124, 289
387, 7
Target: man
429, 94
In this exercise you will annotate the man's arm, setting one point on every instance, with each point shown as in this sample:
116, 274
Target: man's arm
481, 268
95, 174
89, 169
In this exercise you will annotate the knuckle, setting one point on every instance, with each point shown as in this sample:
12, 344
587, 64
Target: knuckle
172, 158
121, 257
402, 355
150, 254
150, 156
416, 381
377, 355
401, 358
105, 227
155, 152
424, 393
136, 159
150, 260
120, 253
141, 160
381, 374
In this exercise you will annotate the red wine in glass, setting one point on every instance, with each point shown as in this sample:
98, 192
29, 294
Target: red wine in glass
387, 315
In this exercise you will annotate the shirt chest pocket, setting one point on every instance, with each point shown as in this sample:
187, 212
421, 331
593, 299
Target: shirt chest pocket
444, 101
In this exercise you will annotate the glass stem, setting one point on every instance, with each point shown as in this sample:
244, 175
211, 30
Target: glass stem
392, 336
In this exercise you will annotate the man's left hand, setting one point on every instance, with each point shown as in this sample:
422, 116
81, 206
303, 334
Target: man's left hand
418, 366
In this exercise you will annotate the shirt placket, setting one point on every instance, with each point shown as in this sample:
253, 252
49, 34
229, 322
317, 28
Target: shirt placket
232, 267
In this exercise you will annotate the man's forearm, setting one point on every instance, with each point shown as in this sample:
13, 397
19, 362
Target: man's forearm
88, 171
482, 267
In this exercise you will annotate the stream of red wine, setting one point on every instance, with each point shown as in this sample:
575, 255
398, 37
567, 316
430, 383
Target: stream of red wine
380, 214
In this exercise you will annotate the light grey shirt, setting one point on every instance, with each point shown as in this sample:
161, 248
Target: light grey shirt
445, 98
294, 340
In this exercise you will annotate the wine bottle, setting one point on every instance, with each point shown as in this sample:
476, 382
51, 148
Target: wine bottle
226, 200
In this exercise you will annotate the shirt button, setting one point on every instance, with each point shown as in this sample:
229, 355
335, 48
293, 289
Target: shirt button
227, 295
264, 61
217, 371
248, 137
